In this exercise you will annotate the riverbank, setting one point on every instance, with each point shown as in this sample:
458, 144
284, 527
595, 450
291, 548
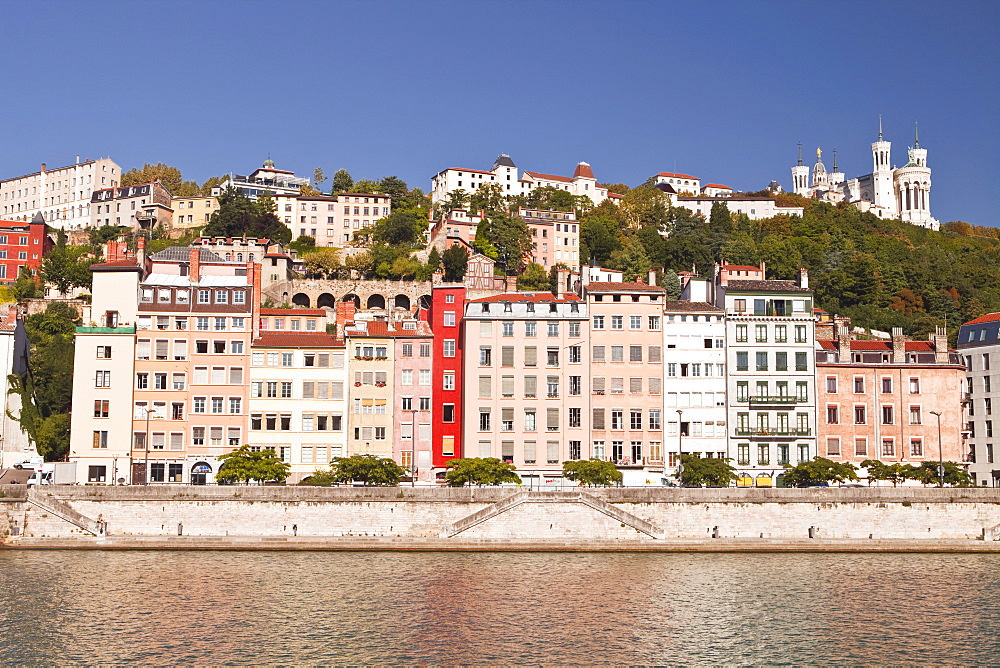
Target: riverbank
502, 519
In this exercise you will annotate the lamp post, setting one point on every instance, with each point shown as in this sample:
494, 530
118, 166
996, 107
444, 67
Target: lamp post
413, 446
145, 444
937, 414
680, 448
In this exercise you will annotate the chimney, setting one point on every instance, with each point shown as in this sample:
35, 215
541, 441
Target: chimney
253, 272
940, 341
195, 273
562, 281
844, 344
763, 270
898, 346
43, 166
651, 280
722, 275
140, 252
803, 278
585, 275
345, 314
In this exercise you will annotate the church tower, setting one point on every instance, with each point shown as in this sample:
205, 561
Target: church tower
800, 177
912, 184
819, 171
882, 186
836, 177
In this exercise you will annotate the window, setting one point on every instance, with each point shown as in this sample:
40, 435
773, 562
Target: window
742, 361
800, 334
553, 329
916, 447
635, 322
617, 322
507, 329
831, 385
485, 356
598, 322
859, 385
484, 419
530, 328
654, 323
915, 388
103, 352
617, 419
833, 415
448, 381
761, 361
448, 413
103, 379
781, 333
449, 318
915, 415
654, 419
887, 386
781, 361
860, 447
760, 333
859, 415
801, 362
635, 353
449, 348
101, 408
887, 415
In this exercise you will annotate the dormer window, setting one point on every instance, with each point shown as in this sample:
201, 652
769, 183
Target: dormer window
486, 307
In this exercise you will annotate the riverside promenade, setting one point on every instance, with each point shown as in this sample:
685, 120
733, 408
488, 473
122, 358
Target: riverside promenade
501, 519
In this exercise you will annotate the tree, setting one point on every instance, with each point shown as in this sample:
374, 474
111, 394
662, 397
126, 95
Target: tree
322, 263
598, 238
244, 465
211, 182
318, 178
457, 199
671, 283
632, 261
456, 261
708, 471
238, 215
303, 244
65, 267
894, 473
506, 239
98, 236
169, 177
533, 278
477, 471
592, 472
26, 286
396, 188
818, 471
927, 474
342, 182
720, 221
365, 186
370, 470
434, 259
401, 228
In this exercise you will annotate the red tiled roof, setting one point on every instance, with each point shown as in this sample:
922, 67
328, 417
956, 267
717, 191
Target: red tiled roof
292, 311
583, 170
884, 346
115, 265
741, 267
601, 286
919, 346
463, 169
549, 177
870, 345
827, 345
381, 328
716, 185
528, 297
296, 340
614, 195
682, 176
989, 317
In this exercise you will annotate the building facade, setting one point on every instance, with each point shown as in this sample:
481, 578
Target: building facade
143, 206
979, 344
22, 245
62, 196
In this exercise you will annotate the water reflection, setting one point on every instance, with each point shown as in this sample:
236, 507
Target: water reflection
322, 607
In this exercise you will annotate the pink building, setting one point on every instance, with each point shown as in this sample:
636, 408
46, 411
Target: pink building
877, 399
626, 340
412, 403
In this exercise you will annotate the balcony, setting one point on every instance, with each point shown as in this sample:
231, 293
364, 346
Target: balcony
777, 399
774, 432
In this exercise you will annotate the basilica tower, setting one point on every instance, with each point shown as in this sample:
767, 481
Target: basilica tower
800, 177
882, 186
912, 186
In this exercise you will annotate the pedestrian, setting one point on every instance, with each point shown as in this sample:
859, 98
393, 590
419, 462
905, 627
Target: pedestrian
295, 529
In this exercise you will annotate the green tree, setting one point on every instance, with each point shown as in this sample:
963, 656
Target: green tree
322, 263
365, 186
818, 471
211, 182
708, 471
533, 278
238, 215
894, 473
592, 472
403, 227
304, 244
342, 182
396, 188
671, 283
65, 267
370, 470
506, 239
243, 465
490, 199
598, 239
476, 471
26, 286
98, 236
434, 259
720, 221
169, 177
928, 474
632, 261
456, 261
457, 199
318, 178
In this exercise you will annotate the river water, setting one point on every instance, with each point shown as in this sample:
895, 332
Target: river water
62, 607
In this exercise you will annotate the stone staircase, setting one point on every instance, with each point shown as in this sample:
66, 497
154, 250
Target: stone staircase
48, 516
521, 497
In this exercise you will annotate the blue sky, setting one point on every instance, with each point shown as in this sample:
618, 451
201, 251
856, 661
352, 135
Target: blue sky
720, 90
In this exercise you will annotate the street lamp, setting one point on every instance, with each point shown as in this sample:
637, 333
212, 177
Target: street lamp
680, 448
937, 414
413, 445
145, 444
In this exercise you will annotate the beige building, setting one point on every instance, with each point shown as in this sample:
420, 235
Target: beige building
62, 195
142, 206
189, 212
331, 220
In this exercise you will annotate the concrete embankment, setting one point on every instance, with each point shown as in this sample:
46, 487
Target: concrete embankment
493, 519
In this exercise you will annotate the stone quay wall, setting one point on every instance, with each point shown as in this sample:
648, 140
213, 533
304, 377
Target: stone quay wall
493, 515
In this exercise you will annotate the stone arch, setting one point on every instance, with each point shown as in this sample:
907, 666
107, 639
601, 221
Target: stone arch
402, 301
301, 299
352, 298
325, 300
375, 301
424, 301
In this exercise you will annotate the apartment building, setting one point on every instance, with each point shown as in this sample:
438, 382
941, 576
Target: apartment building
164, 411
371, 352
412, 410
15, 447
298, 390
448, 381
979, 344
754, 208
143, 206
331, 220
556, 235
61, 196
626, 368
264, 179
190, 212
526, 363
884, 400
22, 245
770, 339
694, 382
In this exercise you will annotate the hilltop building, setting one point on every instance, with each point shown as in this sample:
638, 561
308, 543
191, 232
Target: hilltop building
979, 343
888, 192
62, 196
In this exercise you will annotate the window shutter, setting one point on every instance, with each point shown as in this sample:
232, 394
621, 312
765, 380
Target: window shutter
530, 356
552, 451
236, 375
507, 356
180, 349
508, 386
598, 418
322, 388
201, 375
507, 414
162, 349
323, 360
380, 376
635, 385
530, 386
142, 350
598, 353
529, 452
485, 387
552, 419
338, 360
598, 383
617, 384
307, 389
654, 386
337, 388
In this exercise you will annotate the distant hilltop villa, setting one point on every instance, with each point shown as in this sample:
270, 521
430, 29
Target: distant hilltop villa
888, 192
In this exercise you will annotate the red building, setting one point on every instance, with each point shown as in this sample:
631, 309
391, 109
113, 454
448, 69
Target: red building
22, 245
447, 307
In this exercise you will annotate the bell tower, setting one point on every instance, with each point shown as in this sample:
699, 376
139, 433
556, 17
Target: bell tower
882, 187
800, 177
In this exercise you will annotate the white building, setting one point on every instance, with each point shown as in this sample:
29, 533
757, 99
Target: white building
514, 182
770, 358
61, 195
298, 403
264, 179
680, 183
753, 208
888, 192
979, 343
331, 220
694, 379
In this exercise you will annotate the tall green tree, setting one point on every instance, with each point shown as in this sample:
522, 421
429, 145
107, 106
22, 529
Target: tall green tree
238, 215
598, 239
169, 176
403, 227
533, 278
632, 261
66, 267
671, 283
342, 182
456, 262
720, 221
318, 178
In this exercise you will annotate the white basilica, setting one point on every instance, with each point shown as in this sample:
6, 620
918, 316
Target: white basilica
889, 192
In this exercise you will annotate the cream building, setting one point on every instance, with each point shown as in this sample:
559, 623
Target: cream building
62, 195
189, 212
331, 220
